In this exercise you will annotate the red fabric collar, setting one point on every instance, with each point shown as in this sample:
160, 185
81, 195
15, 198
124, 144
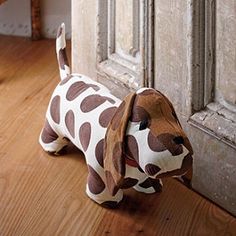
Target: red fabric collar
131, 162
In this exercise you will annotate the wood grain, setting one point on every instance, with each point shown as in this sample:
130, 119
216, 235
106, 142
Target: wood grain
42, 195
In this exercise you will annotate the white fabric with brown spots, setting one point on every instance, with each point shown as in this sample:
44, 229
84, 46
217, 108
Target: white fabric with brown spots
84, 112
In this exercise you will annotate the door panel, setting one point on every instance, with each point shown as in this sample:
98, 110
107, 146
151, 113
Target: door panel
124, 39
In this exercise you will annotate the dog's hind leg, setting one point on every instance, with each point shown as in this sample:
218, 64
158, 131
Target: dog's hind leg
51, 141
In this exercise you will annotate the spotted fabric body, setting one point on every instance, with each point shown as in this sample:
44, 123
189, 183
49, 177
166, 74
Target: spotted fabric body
129, 143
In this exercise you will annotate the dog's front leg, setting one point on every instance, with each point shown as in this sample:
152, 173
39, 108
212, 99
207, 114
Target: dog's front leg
186, 179
97, 190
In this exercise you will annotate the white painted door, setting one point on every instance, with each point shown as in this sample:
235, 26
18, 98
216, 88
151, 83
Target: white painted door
185, 49
195, 66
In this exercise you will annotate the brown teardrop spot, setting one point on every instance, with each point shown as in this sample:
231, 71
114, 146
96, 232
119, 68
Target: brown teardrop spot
48, 135
99, 152
95, 182
91, 102
70, 122
106, 116
55, 109
85, 135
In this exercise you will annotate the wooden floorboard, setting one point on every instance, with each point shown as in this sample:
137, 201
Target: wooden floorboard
42, 195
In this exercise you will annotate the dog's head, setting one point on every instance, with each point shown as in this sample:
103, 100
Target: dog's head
145, 130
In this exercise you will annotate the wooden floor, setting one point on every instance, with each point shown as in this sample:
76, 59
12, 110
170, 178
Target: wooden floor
42, 195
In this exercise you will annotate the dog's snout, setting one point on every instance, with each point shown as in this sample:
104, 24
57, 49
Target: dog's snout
179, 140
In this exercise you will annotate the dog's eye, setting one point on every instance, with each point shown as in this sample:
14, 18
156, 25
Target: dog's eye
143, 124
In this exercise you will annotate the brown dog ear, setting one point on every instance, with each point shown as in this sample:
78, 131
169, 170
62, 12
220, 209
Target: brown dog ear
114, 161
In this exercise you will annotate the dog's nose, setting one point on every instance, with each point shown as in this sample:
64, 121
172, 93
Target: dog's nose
179, 140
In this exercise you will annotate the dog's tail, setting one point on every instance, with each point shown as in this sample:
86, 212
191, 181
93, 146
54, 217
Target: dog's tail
61, 52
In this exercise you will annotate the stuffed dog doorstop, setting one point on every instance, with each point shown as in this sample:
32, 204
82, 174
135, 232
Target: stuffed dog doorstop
131, 143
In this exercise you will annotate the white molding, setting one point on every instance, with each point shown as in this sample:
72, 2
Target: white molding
198, 54
210, 47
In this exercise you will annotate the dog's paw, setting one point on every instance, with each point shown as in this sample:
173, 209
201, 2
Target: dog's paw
61, 152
